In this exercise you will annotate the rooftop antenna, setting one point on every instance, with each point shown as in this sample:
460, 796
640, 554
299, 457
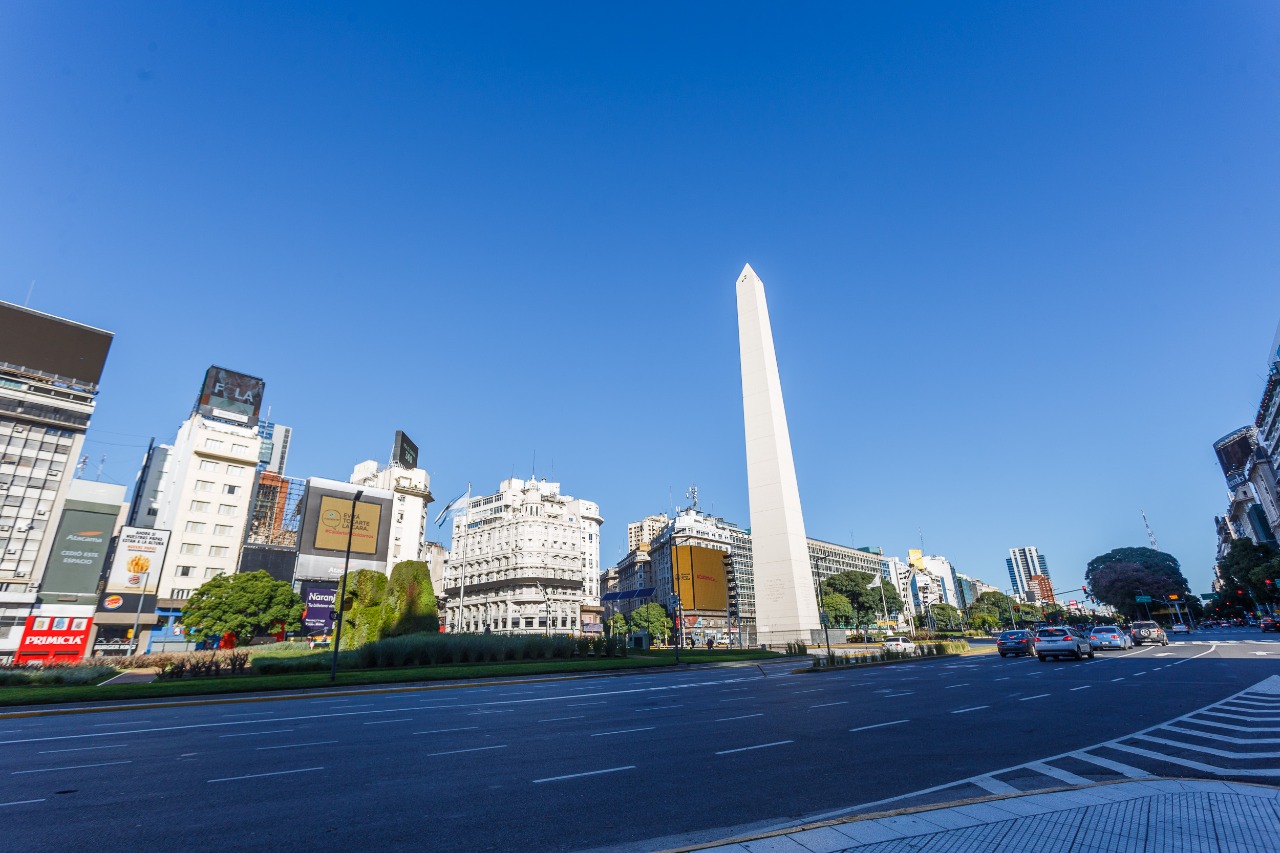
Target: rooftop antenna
1151, 537
81, 465
921, 531
692, 494
101, 462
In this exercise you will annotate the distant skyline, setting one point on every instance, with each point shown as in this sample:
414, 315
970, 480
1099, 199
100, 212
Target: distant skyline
1020, 258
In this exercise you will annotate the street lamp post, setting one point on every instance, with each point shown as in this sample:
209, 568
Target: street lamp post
342, 595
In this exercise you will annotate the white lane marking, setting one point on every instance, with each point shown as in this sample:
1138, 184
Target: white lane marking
659, 708
1204, 768
588, 773
967, 710
1058, 773
73, 767
267, 732
1122, 769
250, 714
21, 802
903, 693
383, 722
1245, 717
1121, 678
735, 689
743, 717
757, 746
1037, 696
1144, 672
625, 731
827, 705
583, 704
1208, 750
798, 692
548, 720
737, 699
1006, 678
1212, 648
188, 754
459, 751
879, 725
1085, 687
995, 786
130, 723
82, 748
297, 745
260, 775
442, 731
1227, 738
1163, 655
949, 686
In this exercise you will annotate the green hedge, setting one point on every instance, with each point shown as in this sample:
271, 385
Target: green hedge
55, 674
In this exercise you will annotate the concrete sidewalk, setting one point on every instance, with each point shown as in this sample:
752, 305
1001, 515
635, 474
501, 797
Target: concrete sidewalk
1148, 816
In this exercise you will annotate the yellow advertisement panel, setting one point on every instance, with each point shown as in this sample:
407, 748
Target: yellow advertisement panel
335, 523
700, 578
915, 558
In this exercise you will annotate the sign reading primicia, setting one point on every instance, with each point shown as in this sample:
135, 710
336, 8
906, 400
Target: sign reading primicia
139, 557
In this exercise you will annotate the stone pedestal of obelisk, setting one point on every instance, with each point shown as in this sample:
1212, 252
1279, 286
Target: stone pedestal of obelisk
786, 604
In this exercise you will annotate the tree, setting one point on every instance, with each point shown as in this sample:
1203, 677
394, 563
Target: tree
990, 610
946, 616
652, 618
1249, 566
1119, 576
409, 606
865, 599
245, 605
983, 620
839, 610
616, 625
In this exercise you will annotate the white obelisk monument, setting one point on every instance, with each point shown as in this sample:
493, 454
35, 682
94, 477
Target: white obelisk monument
786, 606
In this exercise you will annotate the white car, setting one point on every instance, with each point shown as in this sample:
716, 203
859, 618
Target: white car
898, 644
1179, 629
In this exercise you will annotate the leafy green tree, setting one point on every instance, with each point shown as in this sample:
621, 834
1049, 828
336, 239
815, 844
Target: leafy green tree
990, 610
983, 620
839, 610
865, 599
1119, 576
616, 625
409, 606
652, 618
245, 605
946, 616
1249, 566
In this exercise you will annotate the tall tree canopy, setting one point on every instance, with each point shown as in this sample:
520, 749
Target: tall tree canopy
839, 611
246, 605
652, 618
1248, 566
865, 599
1118, 577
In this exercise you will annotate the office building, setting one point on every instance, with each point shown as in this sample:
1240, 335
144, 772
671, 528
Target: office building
412, 488
1042, 587
642, 532
49, 373
1022, 564
525, 559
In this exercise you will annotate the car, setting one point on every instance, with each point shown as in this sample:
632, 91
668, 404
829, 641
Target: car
1062, 642
1110, 637
1269, 624
1148, 632
1179, 628
898, 644
1014, 643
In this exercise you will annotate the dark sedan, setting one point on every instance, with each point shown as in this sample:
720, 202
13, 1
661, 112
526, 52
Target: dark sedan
1014, 643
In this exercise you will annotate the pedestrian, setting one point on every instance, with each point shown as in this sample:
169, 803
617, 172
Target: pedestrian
710, 642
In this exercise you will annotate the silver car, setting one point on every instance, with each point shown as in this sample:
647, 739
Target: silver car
1110, 637
1061, 643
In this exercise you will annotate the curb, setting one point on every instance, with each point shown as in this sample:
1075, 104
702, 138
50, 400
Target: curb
372, 690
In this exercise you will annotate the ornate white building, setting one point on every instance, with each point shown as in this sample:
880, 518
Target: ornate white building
522, 556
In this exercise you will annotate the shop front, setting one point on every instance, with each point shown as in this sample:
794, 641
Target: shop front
55, 635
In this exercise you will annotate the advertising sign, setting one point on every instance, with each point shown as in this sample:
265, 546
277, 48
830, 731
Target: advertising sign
405, 452
139, 557
700, 578
52, 345
335, 524
1235, 449
79, 552
319, 600
54, 639
231, 396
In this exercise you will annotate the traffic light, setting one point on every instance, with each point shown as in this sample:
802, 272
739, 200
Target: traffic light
1173, 598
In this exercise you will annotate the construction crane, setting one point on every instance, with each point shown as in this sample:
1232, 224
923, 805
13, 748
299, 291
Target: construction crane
1151, 537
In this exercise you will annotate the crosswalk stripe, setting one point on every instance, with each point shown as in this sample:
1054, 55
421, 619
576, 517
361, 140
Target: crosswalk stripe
1122, 769
1058, 773
1196, 765
1227, 738
995, 786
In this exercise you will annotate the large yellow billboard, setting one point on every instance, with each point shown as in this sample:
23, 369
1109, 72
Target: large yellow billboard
700, 578
335, 522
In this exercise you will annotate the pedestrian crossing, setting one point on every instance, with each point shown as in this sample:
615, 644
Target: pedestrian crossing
1225, 642
1235, 739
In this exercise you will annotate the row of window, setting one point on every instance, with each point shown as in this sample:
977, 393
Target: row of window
203, 506
189, 571
219, 444
232, 470
218, 529
60, 623
207, 486
193, 550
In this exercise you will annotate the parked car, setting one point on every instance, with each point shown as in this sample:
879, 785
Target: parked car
898, 644
1110, 637
1062, 642
1269, 624
1148, 632
1014, 643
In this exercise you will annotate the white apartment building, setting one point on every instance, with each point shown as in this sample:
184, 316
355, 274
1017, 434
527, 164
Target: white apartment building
642, 532
412, 488
898, 574
202, 496
1022, 564
525, 559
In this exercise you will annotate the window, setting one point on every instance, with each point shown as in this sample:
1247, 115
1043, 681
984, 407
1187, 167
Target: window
204, 486
222, 530
212, 573
199, 506
230, 490
239, 448
217, 550
226, 509
41, 624
79, 624
195, 526
185, 571
60, 623
235, 470
181, 593
208, 465
211, 444
189, 548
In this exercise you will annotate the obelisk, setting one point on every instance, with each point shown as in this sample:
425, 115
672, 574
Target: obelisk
786, 606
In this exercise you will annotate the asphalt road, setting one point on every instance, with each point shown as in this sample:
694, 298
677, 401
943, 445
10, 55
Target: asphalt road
638, 762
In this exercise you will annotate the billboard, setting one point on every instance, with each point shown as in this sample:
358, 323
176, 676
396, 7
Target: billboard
55, 639
52, 345
700, 579
231, 396
1235, 449
79, 552
318, 601
405, 452
334, 532
139, 557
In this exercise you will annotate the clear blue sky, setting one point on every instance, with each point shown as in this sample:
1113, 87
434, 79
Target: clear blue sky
1021, 257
